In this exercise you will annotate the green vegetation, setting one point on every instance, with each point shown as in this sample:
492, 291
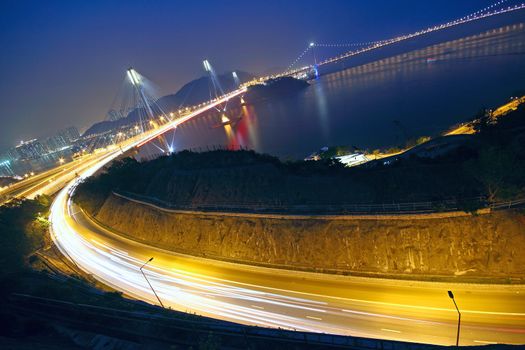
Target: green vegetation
23, 227
274, 88
500, 162
337, 151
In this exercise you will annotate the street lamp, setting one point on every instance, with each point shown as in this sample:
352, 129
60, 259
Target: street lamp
143, 274
451, 295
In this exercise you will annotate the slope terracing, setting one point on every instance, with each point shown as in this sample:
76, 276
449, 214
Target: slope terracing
485, 247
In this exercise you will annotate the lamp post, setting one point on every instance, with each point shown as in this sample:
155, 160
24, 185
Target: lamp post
143, 274
451, 295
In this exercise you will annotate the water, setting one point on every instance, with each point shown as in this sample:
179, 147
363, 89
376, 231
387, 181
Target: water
377, 104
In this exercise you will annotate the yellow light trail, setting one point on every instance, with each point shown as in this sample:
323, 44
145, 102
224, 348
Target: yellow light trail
368, 307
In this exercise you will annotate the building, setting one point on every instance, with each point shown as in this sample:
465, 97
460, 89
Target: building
31, 149
55, 143
11, 155
70, 135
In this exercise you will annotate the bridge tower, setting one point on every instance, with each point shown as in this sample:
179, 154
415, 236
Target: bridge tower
214, 79
217, 88
136, 81
236, 79
314, 67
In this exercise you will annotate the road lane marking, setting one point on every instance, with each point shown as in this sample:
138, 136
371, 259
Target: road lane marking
222, 280
484, 342
257, 307
390, 330
389, 316
314, 318
229, 282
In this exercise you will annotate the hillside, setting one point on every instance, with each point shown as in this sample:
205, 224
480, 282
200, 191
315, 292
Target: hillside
490, 164
274, 88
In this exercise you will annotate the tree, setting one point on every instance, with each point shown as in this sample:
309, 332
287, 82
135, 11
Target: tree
497, 169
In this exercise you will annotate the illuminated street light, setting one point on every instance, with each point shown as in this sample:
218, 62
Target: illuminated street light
143, 274
61, 160
451, 295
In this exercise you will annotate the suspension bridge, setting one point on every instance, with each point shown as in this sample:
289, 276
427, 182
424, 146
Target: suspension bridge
311, 70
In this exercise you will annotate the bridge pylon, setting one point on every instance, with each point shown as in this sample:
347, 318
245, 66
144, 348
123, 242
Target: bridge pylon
136, 82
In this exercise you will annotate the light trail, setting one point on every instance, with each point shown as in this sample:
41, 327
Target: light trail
52, 180
287, 299
376, 308
166, 127
419, 311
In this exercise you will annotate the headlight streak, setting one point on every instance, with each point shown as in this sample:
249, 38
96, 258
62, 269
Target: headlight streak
191, 292
235, 299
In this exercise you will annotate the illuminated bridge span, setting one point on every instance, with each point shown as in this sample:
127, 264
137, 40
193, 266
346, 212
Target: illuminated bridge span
498, 8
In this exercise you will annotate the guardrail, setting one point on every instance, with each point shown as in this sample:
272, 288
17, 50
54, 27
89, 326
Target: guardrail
450, 205
153, 324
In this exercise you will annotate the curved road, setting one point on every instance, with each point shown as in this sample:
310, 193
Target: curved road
368, 307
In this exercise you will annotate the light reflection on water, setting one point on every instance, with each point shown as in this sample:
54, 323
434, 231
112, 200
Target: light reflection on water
424, 91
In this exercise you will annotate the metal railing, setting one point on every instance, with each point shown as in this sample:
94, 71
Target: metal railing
329, 208
181, 329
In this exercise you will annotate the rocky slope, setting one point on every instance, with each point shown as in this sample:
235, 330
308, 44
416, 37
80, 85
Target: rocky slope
452, 244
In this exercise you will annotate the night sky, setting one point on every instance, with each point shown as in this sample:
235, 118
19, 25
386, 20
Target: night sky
62, 62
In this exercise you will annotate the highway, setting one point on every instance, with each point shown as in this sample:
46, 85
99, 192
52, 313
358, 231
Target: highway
50, 181
348, 305
367, 307
56, 176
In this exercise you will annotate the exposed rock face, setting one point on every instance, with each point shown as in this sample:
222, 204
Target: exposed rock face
489, 245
